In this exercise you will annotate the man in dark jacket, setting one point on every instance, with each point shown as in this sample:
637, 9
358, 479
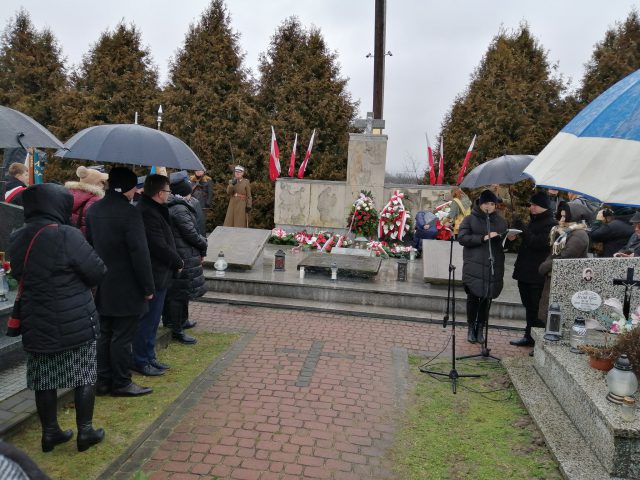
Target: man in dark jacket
17, 181
202, 188
192, 247
116, 231
483, 261
533, 251
632, 247
165, 262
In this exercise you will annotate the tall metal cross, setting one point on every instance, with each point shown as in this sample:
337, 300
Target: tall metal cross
369, 123
378, 58
628, 283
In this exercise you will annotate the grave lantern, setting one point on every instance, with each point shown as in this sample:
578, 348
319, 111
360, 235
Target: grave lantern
553, 331
334, 271
220, 265
4, 285
578, 335
402, 270
621, 381
361, 242
279, 261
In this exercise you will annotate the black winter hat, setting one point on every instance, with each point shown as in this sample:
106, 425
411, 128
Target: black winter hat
121, 179
182, 188
541, 199
487, 196
635, 218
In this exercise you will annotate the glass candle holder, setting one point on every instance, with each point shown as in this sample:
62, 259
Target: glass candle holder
628, 409
578, 335
301, 271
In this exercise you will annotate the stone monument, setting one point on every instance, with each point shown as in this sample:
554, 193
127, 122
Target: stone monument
12, 218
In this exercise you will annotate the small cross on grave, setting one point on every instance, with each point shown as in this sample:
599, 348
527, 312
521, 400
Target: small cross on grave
311, 361
369, 123
628, 283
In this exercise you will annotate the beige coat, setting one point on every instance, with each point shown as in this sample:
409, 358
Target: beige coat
239, 202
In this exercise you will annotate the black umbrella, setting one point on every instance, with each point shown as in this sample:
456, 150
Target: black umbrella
131, 145
18, 130
504, 170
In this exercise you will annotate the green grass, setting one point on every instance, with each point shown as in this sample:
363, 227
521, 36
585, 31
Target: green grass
469, 435
123, 418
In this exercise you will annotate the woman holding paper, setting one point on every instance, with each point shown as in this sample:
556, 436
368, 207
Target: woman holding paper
533, 251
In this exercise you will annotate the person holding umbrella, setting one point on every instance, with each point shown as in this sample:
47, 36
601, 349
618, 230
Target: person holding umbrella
483, 261
116, 230
533, 251
239, 207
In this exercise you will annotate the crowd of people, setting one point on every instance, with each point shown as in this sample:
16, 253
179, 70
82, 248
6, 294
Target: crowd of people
558, 228
100, 262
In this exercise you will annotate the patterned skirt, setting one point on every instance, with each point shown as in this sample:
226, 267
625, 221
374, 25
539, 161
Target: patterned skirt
67, 369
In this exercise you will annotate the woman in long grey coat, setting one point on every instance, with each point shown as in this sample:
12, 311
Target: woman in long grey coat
481, 236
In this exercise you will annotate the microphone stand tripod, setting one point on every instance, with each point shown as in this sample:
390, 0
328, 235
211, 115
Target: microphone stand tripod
453, 374
485, 352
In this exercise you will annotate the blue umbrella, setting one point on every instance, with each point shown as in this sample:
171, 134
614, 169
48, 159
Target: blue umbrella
598, 153
131, 145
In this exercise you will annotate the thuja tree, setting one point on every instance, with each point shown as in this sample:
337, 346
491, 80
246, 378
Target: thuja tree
615, 57
209, 102
300, 89
513, 103
32, 71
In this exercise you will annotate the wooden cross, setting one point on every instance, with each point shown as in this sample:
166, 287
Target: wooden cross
628, 283
369, 123
311, 360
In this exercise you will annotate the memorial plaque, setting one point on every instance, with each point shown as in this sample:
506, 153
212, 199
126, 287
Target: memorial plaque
435, 258
241, 246
586, 300
356, 252
12, 218
348, 265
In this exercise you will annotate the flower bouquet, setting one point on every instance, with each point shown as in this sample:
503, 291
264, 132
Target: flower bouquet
363, 217
379, 249
400, 251
12, 282
280, 237
395, 220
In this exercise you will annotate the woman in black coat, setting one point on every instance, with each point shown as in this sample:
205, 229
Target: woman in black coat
58, 316
192, 248
481, 236
534, 249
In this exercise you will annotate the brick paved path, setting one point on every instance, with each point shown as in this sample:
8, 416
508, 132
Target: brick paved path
312, 395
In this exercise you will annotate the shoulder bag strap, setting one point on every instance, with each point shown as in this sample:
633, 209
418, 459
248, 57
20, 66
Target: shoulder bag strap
26, 257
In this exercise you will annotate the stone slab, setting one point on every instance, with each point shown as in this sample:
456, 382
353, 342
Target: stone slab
348, 265
355, 252
367, 157
292, 201
241, 246
566, 279
327, 205
12, 218
435, 258
582, 391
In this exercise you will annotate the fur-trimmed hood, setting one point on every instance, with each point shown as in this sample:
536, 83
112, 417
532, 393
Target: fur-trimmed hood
85, 187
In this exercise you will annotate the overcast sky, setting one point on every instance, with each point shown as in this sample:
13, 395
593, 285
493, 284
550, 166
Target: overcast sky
436, 45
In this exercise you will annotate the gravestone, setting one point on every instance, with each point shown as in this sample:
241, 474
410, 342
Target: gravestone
241, 246
12, 218
435, 258
348, 265
356, 252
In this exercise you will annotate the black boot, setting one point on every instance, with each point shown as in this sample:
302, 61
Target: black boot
47, 406
480, 332
87, 436
471, 332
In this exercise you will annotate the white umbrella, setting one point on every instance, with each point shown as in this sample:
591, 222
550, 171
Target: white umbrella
598, 153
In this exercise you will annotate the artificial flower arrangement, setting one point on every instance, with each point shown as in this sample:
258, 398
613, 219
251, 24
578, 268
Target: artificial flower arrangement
363, 217
303, 240
613, 322
384, 250
280, 237
395, 220
12, 282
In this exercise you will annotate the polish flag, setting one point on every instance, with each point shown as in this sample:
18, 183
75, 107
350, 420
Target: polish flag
303, 167
441, 166
274, 157
432, 171
466, 161
292, 164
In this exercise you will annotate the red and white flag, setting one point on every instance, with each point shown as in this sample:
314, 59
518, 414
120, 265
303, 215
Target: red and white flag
432, 171
274, 157
466, 161
292, 163
303, 167
441, 165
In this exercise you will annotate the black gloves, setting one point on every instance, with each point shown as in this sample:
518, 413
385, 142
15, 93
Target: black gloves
233, 181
